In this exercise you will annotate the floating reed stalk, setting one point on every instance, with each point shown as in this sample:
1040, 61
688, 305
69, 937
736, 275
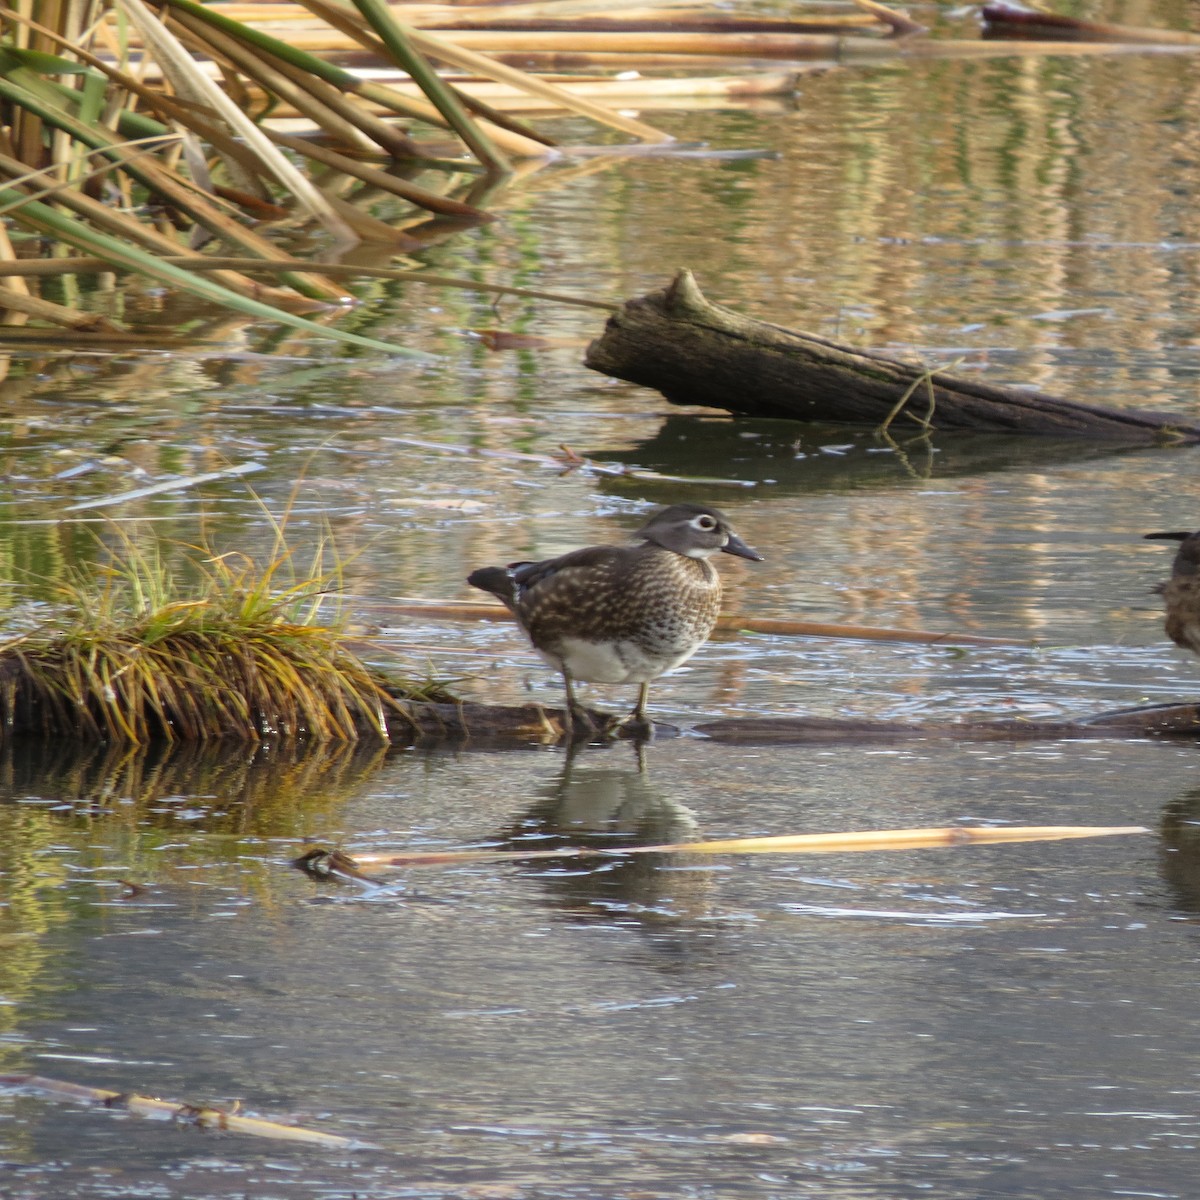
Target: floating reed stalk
471, 611
324, 862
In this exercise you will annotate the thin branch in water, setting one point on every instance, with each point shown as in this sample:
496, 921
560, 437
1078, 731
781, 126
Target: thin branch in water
735, 623
926, 422
200, 1116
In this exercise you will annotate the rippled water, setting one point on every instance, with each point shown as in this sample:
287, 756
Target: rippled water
1011, 1021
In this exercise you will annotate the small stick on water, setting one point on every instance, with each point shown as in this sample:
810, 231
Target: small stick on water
925, 422
805, 843
201, 1116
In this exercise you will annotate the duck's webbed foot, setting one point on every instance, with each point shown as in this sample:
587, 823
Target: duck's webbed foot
635, 726
581, 724
584, 724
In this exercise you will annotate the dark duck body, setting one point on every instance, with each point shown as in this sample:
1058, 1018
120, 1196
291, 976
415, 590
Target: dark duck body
623, 614
1181, 593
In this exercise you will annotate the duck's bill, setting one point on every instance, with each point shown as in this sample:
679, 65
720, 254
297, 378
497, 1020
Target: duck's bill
735, 545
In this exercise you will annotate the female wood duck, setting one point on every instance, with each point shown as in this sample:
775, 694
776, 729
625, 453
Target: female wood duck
622, 614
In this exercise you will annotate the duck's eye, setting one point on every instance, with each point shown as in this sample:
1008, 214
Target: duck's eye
705, 522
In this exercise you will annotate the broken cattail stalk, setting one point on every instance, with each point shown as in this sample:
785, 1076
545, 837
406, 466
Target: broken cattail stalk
739, 45
318, 862
707, 23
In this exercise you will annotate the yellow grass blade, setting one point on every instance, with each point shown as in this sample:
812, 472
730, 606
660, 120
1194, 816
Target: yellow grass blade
806, 843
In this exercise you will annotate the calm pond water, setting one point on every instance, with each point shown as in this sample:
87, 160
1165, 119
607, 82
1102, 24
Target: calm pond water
1012, 1021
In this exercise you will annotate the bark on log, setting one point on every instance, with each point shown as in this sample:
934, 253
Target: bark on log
695, 352
491, 725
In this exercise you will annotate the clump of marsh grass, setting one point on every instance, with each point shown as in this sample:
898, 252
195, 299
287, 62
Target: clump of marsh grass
245, 651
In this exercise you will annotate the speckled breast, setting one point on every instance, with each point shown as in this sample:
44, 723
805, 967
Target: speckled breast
673, 604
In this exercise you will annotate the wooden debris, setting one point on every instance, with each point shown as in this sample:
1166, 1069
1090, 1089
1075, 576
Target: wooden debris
199, 1116
422, 723
1015, 21
696, 352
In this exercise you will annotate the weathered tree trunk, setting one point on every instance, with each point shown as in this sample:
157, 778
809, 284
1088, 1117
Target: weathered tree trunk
695, 352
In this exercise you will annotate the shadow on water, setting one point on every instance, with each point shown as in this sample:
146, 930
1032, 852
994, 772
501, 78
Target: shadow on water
1180, 850
798, 457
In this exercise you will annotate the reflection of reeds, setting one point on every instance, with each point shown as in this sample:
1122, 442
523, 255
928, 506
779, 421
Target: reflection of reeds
246, 654
109, 811
279, 790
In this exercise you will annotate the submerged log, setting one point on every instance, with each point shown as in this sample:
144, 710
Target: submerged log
695, 352
1157, 720
533, 724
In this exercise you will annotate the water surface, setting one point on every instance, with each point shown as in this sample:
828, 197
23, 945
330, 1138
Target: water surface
1010, 1021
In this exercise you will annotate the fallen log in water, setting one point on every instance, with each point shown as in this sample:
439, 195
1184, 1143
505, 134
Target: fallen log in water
1015, 21
696, 352
531, 724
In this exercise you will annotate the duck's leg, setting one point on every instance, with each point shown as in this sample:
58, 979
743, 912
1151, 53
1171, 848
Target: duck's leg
635, 722
575, 712
569, 723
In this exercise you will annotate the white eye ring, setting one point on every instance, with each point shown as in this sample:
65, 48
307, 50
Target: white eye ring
705, 522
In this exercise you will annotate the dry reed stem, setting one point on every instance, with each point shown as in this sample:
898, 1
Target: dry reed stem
423, 197
508, 141
855, 842
181, 69
734, 623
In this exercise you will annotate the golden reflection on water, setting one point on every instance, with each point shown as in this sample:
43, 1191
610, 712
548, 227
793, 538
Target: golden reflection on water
84, 828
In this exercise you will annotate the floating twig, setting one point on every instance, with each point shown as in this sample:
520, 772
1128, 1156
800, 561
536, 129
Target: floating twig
200, 1116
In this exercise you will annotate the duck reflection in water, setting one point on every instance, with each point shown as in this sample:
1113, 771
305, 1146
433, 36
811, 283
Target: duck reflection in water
1180, 851
605, 808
